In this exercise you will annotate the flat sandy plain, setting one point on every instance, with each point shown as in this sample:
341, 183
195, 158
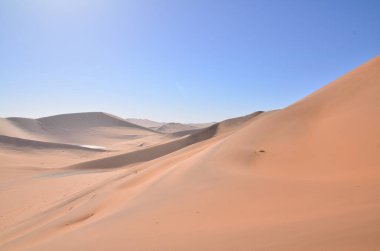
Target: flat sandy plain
306, 177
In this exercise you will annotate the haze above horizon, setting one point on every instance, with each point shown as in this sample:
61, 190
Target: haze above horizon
183, 61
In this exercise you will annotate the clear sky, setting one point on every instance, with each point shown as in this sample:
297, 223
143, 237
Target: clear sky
179, 60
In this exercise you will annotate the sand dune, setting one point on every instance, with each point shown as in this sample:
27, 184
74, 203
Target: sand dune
185, 133
305, 177
169, 127
145, 123
154, 152
81, 121
93, 128
175, 127
8, 128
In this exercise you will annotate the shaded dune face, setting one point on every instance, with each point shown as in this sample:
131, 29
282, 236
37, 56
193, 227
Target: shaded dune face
305, 177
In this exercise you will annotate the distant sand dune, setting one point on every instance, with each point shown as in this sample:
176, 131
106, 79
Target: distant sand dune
145, 123
91, 128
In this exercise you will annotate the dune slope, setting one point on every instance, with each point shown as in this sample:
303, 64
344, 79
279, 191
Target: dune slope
305, 177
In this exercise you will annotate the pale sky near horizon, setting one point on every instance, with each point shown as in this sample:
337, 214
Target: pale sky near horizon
184, 60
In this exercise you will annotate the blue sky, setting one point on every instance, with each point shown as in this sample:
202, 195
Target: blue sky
183, 60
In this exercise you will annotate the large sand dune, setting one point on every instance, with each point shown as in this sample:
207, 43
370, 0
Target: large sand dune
305, 177
77, 128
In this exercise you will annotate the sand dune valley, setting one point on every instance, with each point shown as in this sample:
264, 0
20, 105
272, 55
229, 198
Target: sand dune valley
305, 177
